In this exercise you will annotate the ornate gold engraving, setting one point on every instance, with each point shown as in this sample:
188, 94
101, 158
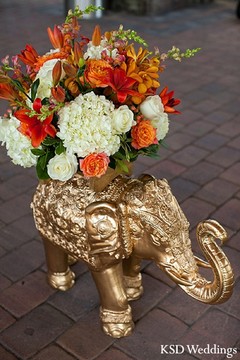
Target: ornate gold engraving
112, 227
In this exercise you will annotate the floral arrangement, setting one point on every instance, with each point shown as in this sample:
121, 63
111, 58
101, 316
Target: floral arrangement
87, 104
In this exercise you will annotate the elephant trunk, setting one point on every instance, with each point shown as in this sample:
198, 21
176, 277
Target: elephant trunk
220, 289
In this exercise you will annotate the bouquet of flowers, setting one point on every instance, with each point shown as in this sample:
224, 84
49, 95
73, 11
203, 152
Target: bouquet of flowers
87, 104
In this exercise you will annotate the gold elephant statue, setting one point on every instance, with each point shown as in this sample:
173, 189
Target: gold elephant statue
112, 230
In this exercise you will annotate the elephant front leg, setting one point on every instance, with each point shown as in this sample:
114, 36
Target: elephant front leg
59, 274
115, 312
132, 277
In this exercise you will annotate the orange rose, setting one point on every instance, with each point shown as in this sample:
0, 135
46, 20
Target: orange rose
143, 135
96, 72
94, 165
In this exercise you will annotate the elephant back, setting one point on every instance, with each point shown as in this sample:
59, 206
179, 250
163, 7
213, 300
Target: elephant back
59, 212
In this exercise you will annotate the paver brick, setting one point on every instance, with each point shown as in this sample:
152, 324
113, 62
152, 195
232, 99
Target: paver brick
155, 329
25, 295
85, 339
235, 143
166, 169
232, 306
199, 128
220, 116
154, 291
182, 188
211, 141
34, 331
217, 191
113, 354
225, 156
6, 319
21, 206
53, 352
202, 172
16, 185
20, 262
6, 355
189, 156
178, 303
17, 233
196, 210
214, 324
4, 282
79, 300
179, 140
229, 214
232, 173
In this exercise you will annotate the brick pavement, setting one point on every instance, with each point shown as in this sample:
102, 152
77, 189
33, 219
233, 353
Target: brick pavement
201, 162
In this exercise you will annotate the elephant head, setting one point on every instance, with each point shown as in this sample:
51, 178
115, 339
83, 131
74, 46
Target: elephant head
160, 232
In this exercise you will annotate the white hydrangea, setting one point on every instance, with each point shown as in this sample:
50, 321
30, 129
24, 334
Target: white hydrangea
86, 126
95, 52
18, 145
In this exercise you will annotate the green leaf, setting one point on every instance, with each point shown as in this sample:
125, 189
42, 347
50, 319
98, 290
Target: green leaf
41, 173
122, 166
18, 84
60, 148
34, 88
49, 141
38, 152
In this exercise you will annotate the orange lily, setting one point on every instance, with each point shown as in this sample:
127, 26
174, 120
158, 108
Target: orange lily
7, 92
121, 84
56, 37
32, 126
168, 101
29, 55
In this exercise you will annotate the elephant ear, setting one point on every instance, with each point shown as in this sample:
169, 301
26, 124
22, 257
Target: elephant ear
102, 226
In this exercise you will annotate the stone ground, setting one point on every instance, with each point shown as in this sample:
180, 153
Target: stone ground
201, 162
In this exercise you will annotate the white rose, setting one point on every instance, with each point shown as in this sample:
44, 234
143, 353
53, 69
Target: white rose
152, 107
123, 119
62, 167
161, 123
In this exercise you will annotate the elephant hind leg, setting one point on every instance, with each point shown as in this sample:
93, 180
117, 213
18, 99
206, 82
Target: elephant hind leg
59, 274
132, 278
133, 286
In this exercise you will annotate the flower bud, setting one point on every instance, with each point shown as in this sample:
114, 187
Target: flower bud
57, 72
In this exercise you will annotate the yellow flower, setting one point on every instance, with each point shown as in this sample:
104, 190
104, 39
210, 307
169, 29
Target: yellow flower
142, 68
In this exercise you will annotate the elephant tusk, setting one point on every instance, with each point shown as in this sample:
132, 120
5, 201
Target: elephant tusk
202, 263
176, 278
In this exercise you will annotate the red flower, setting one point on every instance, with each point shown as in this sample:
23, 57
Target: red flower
29, 56
121, 84
32, 126
168, 101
